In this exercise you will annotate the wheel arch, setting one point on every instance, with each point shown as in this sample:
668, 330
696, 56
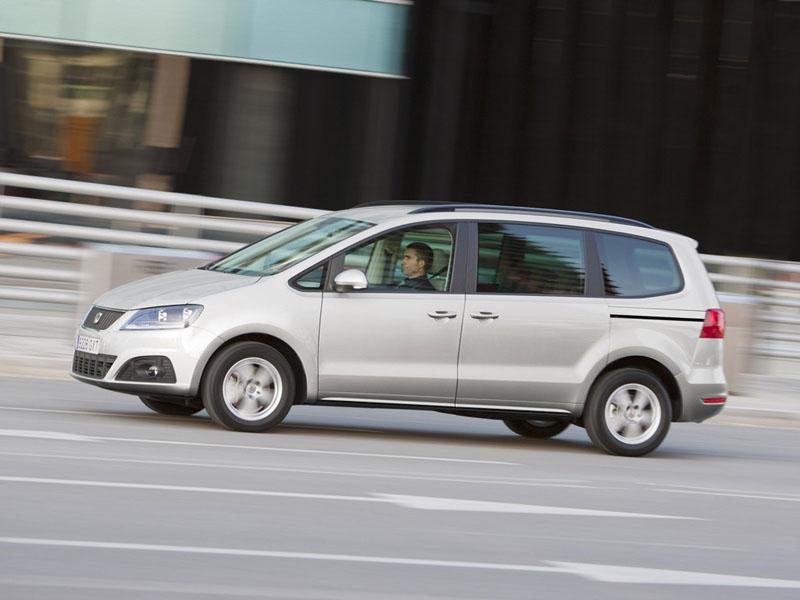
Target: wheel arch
655, 367
301, 375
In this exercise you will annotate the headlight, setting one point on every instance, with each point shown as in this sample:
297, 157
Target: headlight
164, 317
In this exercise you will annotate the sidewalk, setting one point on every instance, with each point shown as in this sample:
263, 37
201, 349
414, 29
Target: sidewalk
770, 410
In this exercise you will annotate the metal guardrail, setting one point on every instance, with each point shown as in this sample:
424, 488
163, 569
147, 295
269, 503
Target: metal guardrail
117, 225
254, 220
773, 287
117, 192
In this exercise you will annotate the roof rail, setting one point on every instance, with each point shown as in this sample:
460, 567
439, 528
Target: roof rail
529, 210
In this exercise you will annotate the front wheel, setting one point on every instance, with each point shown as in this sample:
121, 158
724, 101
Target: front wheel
628, 412
248, 386
536, 428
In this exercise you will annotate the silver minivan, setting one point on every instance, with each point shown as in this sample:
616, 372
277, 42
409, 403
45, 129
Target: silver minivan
540, 318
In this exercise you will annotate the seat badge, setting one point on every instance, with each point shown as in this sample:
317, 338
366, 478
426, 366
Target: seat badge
97, 317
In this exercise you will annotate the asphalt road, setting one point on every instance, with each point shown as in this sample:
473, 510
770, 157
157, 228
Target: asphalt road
100, 498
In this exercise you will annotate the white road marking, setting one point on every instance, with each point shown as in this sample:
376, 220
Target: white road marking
61, 411
156, 417
594, 572
71, 437
456, 505
638, 575
732, 495
278, 554
583, 540
556, 483
153, 587
185, 488
412, 502
304, 451
45, 435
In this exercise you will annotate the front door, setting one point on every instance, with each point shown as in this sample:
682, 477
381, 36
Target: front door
397, 341
531, 333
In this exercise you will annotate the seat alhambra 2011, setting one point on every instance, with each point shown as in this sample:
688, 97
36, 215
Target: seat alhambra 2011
540, 318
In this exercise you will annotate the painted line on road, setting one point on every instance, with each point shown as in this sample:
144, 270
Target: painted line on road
645, 576
186, 488
280, 554
732, 495
75, 437
306, 451
405, 501
585, 540
152, 587
63, 411
594, 572
151, 416
458, 505
45, 435
555, 483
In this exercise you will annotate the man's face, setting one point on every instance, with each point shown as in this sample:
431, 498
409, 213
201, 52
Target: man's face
413, 266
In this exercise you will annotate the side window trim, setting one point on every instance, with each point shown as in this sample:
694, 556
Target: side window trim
595, 286
336, 263
589, 258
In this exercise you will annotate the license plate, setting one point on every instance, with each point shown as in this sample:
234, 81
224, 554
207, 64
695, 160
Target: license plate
87, 344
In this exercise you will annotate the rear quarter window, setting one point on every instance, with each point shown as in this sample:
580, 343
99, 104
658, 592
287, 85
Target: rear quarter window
634, 267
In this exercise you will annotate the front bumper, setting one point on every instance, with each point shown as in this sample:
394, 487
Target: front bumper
185, 348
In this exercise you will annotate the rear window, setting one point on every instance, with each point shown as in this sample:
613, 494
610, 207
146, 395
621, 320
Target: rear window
633, 267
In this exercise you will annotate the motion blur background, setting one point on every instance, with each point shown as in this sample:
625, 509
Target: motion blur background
682, 113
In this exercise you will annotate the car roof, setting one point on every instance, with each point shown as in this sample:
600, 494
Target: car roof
381, 212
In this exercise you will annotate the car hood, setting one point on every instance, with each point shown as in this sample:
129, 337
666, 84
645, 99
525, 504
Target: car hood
178, 287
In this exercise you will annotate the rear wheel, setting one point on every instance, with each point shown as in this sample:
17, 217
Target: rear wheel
248, 386
167, 407
628, 412
536, 428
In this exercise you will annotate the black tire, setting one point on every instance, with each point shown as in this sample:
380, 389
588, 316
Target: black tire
166, 407
536, 428
613, 427
273, 367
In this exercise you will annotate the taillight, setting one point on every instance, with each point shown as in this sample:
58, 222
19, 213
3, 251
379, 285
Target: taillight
714, 324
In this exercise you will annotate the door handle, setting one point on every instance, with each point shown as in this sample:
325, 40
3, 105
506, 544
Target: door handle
442, 314
483, 315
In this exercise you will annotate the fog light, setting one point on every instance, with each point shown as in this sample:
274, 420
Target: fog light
153, 369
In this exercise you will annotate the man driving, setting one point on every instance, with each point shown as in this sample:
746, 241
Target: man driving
416, 262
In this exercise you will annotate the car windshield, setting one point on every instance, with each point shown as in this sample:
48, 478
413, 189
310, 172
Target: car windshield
288, 247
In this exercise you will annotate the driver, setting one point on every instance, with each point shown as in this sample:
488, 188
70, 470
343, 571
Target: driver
416, 262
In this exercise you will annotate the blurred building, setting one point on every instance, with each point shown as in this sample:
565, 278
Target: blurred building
683, 113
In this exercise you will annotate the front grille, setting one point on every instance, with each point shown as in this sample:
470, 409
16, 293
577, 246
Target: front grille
101, 318
95, 366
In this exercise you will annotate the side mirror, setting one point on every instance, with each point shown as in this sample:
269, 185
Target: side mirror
350, 280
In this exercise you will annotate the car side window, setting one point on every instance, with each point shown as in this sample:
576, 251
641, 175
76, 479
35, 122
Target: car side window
633, 267
417, 259
515, 258
312, 280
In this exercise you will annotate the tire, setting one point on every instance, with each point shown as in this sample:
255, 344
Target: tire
628, 412
165, 407
248, 386
536, 428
